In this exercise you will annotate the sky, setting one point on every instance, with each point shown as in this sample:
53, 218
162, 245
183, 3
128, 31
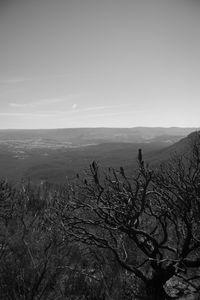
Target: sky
99, 63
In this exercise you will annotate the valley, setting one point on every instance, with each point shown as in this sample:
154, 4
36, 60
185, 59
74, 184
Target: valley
54, 155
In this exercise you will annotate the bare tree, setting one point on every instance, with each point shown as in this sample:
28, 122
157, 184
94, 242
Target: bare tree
149, 222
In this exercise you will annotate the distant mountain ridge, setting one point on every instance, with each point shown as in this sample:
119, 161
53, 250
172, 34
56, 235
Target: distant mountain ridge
80, 136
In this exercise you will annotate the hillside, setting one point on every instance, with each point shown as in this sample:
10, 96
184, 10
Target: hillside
180, 148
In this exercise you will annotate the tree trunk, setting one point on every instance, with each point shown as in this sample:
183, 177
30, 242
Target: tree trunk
155, 286
156, 291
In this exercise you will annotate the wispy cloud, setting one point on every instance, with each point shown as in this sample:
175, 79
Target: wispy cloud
70, 114
96, 111
13, 80
19, 105
44, 102
38, 103
28, 115
21, 79
104, 107
103, 114
90, 111
109, 114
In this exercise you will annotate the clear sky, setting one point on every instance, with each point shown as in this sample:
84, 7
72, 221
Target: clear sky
91, 63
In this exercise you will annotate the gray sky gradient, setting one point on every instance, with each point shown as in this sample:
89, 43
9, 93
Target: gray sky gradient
80, 63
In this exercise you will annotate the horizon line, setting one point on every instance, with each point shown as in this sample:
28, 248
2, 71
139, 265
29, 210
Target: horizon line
103, 127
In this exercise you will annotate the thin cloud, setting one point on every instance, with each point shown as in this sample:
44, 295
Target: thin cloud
37, 103
44, 102
109, 114
85, 112
103, 107
36, 115
20, 105
13, 80
94, 108
52, 100
90, 110
27, 79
